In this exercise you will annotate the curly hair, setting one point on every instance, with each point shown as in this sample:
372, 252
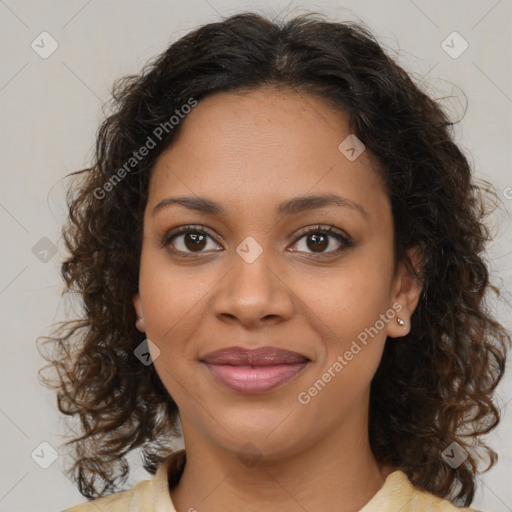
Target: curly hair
432, 389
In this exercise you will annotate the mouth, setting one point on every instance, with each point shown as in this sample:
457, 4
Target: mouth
256, 370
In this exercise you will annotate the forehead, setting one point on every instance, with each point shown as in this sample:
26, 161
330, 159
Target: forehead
255, 147
267, 117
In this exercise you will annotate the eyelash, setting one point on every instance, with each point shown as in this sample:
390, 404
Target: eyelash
345, 241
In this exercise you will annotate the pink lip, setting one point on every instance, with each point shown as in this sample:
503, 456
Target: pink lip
256, 370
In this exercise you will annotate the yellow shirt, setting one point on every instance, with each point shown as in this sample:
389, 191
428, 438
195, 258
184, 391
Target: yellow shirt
396, 495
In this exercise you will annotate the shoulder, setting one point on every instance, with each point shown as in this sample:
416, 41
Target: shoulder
144, 496
117, 502
398, 493
425, 502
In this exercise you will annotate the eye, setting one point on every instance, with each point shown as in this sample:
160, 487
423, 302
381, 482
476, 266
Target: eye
188, 240
318, 238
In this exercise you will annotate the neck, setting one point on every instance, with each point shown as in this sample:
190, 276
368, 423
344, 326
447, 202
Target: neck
337, 472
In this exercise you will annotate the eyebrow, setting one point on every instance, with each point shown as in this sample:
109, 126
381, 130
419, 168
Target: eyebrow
286, 208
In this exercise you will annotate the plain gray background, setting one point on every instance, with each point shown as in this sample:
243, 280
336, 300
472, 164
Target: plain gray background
51, 108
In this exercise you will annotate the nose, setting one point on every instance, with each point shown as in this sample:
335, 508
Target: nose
253, 294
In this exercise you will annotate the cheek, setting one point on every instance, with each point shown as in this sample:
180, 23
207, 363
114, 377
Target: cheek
354, 336
351, 309
168, 288
172, 307
351, 297
171, 302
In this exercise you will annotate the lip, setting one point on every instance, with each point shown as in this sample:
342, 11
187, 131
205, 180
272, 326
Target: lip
254, 370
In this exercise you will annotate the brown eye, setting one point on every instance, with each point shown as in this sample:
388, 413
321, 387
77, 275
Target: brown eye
189, 240
194, 241
318, 240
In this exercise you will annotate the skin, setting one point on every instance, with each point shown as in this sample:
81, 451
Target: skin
249, 152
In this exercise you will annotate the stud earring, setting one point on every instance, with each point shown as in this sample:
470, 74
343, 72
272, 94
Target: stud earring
140, 320
400, 321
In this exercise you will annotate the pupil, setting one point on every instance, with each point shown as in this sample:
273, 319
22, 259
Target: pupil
198, 241
317, 243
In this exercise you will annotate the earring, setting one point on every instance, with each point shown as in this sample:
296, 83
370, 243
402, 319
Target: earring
140, 321
400, 321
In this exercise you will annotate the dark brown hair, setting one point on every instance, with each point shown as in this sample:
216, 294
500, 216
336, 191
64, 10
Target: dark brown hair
432, 388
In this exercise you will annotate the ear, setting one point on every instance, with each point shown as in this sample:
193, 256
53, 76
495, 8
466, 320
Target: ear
407, 289
137, 304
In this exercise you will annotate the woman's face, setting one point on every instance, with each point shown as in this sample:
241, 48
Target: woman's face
262, 274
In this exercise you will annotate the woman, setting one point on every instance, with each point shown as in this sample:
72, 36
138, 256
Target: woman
279, 248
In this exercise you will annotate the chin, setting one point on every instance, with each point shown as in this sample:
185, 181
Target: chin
271, 433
